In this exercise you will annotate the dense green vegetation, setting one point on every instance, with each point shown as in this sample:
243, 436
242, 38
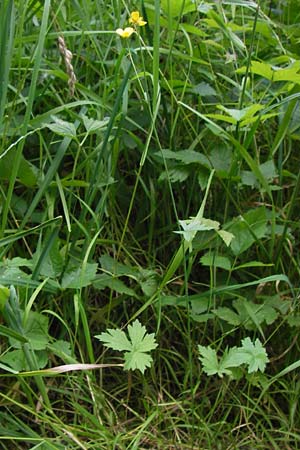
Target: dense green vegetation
149, 230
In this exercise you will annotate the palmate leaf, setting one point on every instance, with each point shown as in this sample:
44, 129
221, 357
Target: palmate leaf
115, 339
254, 356
137, 360
209, 359
211, 364
137, 348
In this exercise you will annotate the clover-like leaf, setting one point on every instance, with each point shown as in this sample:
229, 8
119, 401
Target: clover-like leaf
137, 348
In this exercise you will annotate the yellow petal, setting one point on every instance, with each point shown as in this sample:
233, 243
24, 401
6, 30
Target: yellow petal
126, 33
141, 22
136, 19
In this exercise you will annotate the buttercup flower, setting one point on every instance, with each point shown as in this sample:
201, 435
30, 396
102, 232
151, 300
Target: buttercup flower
126, 33
136, 19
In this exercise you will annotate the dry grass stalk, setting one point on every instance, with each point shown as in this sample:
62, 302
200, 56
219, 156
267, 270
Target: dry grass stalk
67, 55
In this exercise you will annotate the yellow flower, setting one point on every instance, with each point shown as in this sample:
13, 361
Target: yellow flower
126, 33
136, 19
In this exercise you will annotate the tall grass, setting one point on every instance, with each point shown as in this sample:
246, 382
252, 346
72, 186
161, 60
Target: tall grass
195, 115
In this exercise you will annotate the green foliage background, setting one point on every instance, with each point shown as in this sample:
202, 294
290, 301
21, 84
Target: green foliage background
164, 192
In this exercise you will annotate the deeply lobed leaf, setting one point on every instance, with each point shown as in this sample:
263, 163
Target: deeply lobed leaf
136, 356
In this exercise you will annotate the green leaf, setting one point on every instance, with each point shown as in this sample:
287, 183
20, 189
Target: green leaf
252, 264
148, 281
212, 260
76, 278
136, 356
294, 321
62, 128
53, 263
35, 330
191, 157
267, 169
9, 275
202, 176
146, 278
179, 173
27, 173
192, 29
176, 7
204, 89
9, 332
16, 359
16, 277
259, 68
273, 73
248, 229
255, 355
4, 296
202, 318
105, 280
226, 236
248, 178
92, 126
137, 360
199, 305
17, 262
252, 355
221, 159
233, 358
227, 119
226, 29
286, 74
63, 350
109, 264
172, 300
141, 341
115, 339
228, 315
281, 304
191, 226
252, 314
241, 114
210, 362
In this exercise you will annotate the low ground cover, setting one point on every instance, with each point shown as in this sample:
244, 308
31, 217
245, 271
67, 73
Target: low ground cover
149, 230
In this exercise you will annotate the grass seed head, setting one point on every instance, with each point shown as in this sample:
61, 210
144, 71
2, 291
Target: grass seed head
67, 56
